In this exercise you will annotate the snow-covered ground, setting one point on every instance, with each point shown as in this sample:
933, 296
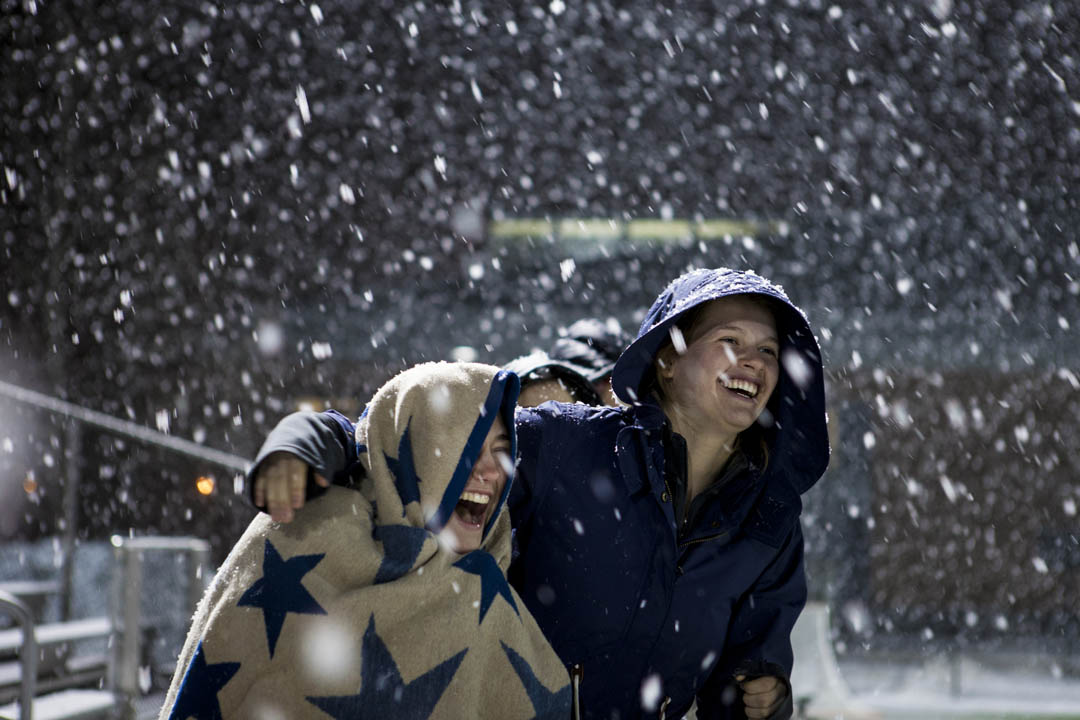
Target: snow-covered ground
964, 687
893, 686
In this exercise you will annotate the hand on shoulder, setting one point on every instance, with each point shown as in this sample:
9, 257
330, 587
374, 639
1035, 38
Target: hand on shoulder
281, 485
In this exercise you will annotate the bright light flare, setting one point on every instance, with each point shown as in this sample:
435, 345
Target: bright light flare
205, 485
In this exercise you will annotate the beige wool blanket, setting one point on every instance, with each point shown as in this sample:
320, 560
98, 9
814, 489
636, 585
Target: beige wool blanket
355, 609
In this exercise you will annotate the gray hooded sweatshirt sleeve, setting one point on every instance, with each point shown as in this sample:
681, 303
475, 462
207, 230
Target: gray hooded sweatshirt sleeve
323, 440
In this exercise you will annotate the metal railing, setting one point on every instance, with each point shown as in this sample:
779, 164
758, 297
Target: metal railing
121, 427
81, 416
128, 553
126, 603
27, 652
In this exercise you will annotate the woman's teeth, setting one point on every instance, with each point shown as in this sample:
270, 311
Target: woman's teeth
477, 498
742, 386
472, 507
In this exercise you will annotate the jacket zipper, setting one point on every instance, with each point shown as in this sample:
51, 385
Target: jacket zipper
576, 674
688, 543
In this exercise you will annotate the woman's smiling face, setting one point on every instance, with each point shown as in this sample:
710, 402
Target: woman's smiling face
728, 370
464, 531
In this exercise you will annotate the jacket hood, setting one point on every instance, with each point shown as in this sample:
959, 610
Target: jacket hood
421, 434
539, 365
592, 345
794, 423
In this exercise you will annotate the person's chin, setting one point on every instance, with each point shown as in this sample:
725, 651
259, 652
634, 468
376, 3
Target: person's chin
737, 419
461, 537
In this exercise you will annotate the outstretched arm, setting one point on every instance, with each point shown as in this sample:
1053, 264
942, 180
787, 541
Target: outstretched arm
302, 455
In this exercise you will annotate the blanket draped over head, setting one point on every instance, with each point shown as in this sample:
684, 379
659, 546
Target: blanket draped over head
355, 609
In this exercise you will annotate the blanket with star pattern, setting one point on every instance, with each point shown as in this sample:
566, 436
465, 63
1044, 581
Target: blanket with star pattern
355, 609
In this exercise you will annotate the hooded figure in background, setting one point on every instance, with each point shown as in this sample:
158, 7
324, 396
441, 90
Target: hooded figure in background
577, 368
387, 598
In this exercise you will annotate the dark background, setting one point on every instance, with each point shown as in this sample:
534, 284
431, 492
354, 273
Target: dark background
211, 212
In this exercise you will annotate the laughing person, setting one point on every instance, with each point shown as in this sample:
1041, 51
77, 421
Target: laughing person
388, 597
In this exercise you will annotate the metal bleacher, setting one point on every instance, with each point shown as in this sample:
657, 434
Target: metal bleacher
92, 667
68, 665
42, 681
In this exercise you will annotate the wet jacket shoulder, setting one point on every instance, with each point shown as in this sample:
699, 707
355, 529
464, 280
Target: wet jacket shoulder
551, 429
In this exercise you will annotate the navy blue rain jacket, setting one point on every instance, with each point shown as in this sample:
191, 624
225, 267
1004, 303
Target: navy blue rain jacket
654, 612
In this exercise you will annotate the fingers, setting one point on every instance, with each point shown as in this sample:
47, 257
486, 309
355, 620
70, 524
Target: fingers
297, 488
278, 486
759, 713
280, 482
762, 696
763, 684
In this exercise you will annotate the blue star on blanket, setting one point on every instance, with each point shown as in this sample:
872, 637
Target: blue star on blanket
492, 580
546, 704
197, 697
279, 591
401, 545
383, 694
404, 471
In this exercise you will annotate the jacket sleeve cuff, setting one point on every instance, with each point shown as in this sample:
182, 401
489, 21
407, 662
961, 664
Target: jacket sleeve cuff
318, 439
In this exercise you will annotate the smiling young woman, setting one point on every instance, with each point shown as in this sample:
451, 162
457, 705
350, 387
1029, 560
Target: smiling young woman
715, 378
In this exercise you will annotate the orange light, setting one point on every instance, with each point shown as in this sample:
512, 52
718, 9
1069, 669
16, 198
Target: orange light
29, 485
204, 484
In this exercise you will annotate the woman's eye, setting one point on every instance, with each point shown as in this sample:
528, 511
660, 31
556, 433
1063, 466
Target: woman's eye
769, 351
731, 340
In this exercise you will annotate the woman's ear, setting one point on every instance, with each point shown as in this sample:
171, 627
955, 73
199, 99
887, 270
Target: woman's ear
665, 362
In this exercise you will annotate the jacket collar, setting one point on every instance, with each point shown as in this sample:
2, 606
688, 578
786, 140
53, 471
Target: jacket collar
764, 508
637, 443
